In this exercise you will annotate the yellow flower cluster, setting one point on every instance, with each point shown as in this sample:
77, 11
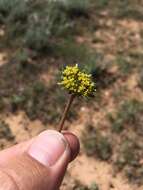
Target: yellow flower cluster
77, 82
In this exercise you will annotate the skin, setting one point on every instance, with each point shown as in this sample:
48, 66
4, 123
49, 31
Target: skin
38, 164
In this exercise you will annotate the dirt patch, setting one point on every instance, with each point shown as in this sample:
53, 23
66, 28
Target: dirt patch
92, 170
22, 128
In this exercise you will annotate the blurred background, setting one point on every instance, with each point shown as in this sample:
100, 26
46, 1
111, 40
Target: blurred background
37, 39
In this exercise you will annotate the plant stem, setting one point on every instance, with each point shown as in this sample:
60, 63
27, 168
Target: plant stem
72, 96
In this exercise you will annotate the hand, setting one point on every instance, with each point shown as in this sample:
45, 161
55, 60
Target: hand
38, 164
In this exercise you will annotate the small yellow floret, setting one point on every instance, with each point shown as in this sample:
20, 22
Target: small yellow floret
77, 82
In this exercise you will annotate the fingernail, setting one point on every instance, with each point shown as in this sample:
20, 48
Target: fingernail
48, 147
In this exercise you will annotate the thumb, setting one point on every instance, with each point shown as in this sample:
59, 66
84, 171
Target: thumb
41, 165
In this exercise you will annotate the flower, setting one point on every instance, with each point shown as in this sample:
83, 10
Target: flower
77, 81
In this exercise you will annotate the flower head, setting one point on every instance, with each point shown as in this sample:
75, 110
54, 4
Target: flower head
77, 82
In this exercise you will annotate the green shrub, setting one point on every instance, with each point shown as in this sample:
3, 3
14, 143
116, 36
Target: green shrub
79, 186
125, 67
128, 9
6, 6
69, 50
128, 158
96, 144
77, 53
5, 131
22, 56
17, 101
39, 87
129, 114
117, 125
94, 186
135, 174
19, 12
128, 154
13, 10
37, 36
34, 24
74, 6
44, 24
1, 104
104, 149
101, 3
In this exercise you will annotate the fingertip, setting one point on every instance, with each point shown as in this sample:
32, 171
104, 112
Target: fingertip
73, 143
